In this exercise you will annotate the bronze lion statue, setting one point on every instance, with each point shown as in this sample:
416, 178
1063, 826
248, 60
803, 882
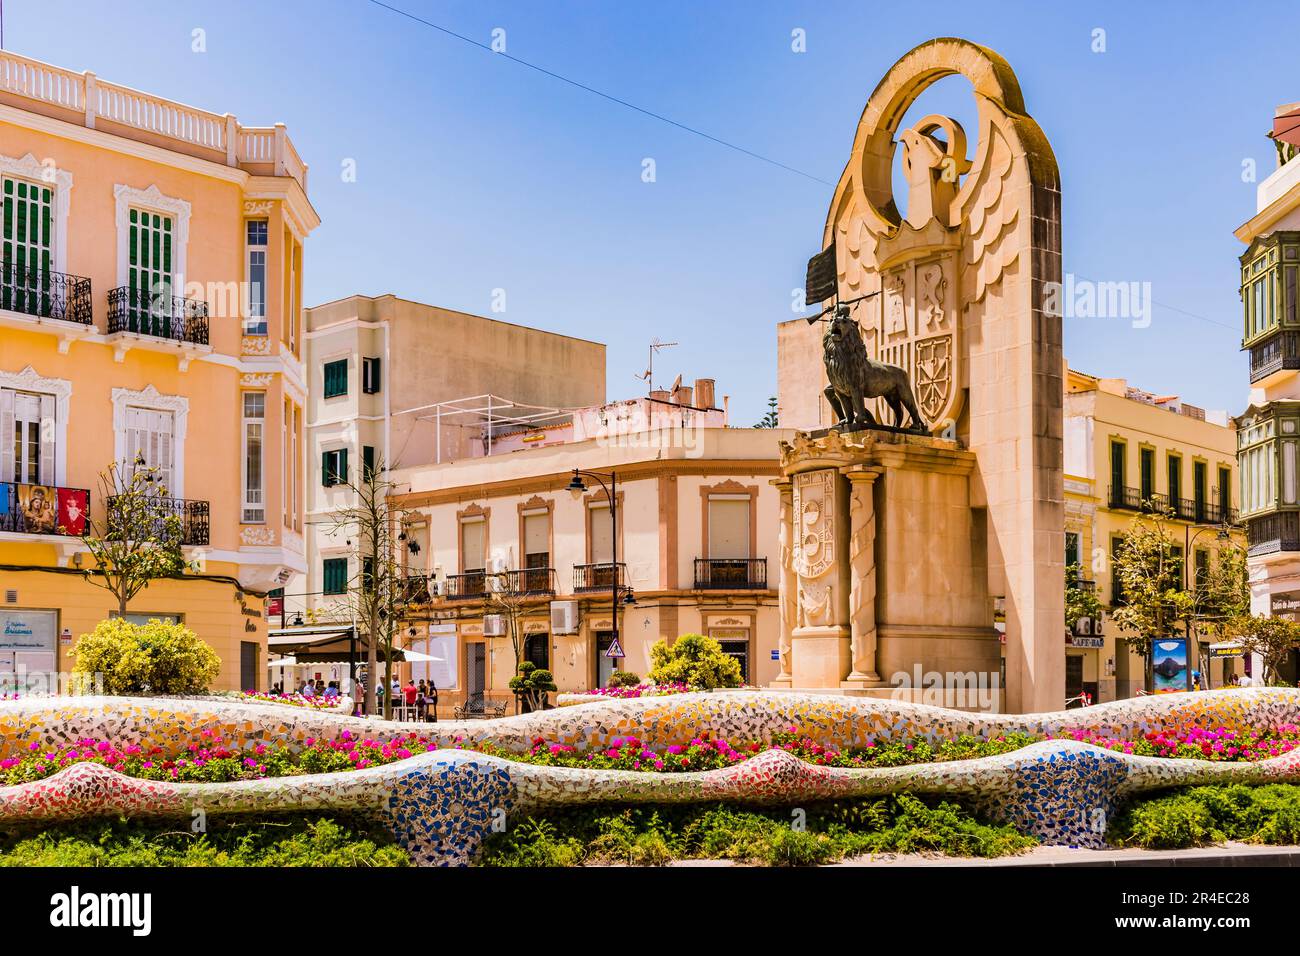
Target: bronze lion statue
856, 378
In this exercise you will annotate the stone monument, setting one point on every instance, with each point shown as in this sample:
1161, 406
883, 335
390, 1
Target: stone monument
953, 295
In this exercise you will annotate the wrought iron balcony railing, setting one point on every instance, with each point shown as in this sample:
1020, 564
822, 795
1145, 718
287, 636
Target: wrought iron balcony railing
1184, 509
598, 577
43, 509
45, 294
531, 581
193, 518
731, 574
158, 315
465, 587
1281, 351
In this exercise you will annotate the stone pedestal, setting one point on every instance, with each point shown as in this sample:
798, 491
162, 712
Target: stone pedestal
883, 573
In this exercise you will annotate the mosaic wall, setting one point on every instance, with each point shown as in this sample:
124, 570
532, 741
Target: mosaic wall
441, 804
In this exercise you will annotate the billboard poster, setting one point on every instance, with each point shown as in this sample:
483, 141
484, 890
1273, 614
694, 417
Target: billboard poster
37, 505
1169, 660
73, 505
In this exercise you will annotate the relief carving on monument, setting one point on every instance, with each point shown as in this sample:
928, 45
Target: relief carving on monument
862, 577
786, 603
814, 546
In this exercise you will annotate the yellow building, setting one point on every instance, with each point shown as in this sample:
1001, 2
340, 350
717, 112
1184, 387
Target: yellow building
1125, 447
150, 303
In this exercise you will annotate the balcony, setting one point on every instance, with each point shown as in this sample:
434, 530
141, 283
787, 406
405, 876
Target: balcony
1181, 509
43, 509
598, 577
85, 99
531, 582
1279, 353
193, 518
731, 574
156, 315
1273, 533
465, 587
43, 294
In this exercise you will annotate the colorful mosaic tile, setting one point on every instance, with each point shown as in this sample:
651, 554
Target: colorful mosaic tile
440, 804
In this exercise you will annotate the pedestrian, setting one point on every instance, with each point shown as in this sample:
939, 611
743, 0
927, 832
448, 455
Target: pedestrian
409, 693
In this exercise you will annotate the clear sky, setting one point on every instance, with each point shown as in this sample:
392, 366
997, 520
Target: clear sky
476, 174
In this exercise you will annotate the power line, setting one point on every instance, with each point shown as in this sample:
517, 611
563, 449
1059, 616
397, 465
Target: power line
603, 95
671, 122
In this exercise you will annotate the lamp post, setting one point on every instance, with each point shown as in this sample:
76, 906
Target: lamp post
577, 488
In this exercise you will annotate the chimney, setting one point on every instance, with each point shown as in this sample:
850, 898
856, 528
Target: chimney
683, 395
704, 392
661, 395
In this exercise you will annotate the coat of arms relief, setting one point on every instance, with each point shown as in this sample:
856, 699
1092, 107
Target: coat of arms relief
813, 552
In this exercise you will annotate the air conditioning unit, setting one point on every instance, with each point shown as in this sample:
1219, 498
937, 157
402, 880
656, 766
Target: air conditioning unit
1096, 627
1083, 626
494, 625
564, 617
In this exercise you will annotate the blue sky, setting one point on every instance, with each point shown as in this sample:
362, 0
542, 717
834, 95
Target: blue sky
476, 174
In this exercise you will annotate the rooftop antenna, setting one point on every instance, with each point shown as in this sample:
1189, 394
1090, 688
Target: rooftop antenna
648, 375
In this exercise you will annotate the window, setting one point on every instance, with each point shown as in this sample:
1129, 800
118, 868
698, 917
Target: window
1175, 576
1147, 463
27, 245
27, 457
729, 526
1118, 478
149, 272
334, 467
255, 246
1202, 567
1175, 470
1225, 492
1071, 550
367, 462
537, 550
336, 378
537, 648
149, 444
735, 643
334, 575
1200, 487
600, 533
254, 425
370, 379
473, 545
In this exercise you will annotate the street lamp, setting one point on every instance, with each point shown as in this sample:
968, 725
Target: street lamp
577, 488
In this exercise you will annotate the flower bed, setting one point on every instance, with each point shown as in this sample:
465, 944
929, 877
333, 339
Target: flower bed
1199, 743
640, 690
295, 700
211, 759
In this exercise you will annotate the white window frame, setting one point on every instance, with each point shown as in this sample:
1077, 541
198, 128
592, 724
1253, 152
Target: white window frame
33, 170
150, 398
247, 504
127, 197
257, 324
29, 380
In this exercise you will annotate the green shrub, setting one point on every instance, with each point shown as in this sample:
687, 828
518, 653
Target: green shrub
156, 658
1197, 816
695, 660
655, 835
623, 679
267, 840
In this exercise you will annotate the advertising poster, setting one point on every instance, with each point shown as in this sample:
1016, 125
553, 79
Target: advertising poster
1169, 658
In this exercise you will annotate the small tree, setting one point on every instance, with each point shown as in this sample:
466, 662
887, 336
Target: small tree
1223, 593
532, 684
1080, 601
155, 658
139, 539
377, 593
1272, 638
770, 418
694, 660
1154, 601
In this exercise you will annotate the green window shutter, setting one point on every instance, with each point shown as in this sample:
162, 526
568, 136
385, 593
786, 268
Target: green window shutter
326, 469
336, 378
343, 466
334, 574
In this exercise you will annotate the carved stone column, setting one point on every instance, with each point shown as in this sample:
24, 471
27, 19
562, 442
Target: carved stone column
862, 577
787, 601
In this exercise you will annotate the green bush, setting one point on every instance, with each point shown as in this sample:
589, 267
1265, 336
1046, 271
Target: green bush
1198, 816
695, 660
267, 840
623, 679
653, 836
156, 658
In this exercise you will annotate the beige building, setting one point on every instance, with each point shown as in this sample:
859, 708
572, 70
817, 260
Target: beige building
696, 529
400, 382
1125, 448
1269, 429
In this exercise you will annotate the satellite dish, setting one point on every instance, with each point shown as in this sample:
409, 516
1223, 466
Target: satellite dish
677, 383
